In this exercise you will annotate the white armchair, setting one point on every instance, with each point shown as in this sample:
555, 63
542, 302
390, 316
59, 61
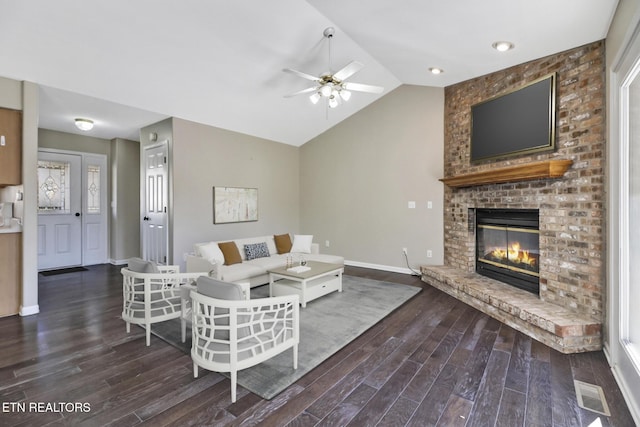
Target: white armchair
151, 293
230, 333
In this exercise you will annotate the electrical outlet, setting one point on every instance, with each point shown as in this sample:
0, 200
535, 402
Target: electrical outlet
404, 251
326, 243
429, 254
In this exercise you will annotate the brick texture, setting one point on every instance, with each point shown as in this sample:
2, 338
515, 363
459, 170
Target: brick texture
571, 208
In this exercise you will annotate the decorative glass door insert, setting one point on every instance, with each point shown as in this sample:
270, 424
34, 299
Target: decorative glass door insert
54, 187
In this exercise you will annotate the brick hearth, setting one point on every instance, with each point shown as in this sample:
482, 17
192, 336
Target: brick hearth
571, 301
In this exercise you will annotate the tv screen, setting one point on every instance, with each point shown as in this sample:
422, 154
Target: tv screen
519, 122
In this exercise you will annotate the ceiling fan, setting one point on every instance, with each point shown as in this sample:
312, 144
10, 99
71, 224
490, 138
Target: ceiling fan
333, 86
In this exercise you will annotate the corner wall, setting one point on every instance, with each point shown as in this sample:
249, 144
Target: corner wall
358, 177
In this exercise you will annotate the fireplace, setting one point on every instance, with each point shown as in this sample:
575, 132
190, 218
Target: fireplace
507, 246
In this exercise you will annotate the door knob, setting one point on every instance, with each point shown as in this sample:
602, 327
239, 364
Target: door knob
146, 218
77, 213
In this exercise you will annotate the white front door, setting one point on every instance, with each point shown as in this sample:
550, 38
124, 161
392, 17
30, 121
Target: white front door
72, 209
154, 225
59, 210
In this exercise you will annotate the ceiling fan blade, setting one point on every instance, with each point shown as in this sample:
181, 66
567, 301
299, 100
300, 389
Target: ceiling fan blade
300, 92
301, 74
359, 87
349, 70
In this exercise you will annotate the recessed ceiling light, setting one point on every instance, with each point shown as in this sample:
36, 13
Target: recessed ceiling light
84, 124
435, 70
502, 46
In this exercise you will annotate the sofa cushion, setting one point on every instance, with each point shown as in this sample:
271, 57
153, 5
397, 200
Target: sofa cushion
274, 261
139, 265
251, 240
211, 252
283, 243
329, 259
230, 252
243, 271
225, 291
301, 243
218, 289
256, 250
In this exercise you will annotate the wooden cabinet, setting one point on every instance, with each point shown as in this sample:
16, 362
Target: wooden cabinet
10, 273
10, 147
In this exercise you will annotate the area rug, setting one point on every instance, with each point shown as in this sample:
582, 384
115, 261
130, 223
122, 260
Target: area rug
326, 325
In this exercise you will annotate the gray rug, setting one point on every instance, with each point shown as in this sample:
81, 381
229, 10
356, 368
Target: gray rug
326, 325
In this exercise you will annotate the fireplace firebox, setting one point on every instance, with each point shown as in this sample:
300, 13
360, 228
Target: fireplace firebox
508, 247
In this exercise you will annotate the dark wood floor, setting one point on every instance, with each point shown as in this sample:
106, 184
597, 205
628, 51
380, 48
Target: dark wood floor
434, 361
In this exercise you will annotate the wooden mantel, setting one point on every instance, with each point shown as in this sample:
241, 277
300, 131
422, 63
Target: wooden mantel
526, 172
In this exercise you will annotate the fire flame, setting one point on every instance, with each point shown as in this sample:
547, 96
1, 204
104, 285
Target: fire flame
515, 255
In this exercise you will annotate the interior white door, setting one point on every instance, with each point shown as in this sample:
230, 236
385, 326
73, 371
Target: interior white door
94, 209
154, 225
59, 210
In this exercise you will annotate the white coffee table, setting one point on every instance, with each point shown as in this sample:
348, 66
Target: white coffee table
321, 278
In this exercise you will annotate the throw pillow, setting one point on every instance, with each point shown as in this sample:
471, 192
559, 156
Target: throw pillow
211, 252
230, 252
256, 250
302, 243
283, 243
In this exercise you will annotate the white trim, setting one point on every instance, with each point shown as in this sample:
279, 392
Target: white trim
29, 310
625, 389
118, 261
379, 267
617, 350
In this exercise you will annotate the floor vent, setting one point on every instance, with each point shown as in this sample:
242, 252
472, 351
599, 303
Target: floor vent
591, 397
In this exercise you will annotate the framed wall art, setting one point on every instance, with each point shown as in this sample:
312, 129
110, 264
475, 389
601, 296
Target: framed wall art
234, 204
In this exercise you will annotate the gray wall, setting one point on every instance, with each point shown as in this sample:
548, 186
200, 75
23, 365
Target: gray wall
358, 177
204, 157
125, 196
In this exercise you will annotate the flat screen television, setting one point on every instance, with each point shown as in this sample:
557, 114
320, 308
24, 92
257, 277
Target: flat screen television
519, 122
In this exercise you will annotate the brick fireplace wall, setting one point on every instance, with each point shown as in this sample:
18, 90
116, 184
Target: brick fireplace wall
571, 208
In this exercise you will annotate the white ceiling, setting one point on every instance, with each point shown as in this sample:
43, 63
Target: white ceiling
127, 64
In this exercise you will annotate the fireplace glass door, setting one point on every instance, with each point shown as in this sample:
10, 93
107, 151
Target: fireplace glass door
511, 248
507, 247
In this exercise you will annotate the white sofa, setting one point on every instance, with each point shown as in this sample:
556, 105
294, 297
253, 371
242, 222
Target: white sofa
207, 259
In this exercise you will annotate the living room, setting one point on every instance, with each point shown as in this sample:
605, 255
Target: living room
330, 186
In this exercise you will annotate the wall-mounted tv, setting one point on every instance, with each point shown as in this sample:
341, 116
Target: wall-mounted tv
519, 122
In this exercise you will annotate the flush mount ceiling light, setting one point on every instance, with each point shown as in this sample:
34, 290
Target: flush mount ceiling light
84, 124
436, 70
502, 46
332, 86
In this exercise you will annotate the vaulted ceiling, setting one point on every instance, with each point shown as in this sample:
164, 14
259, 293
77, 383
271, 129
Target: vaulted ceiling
127, 64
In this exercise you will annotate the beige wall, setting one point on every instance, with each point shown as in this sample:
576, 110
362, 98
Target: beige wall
358, 177
72, 142
125, 194
204, 157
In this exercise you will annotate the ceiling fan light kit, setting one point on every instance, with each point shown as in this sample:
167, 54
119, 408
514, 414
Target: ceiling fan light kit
333, 86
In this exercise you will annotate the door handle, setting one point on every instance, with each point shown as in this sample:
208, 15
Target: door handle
146, 218
77, 213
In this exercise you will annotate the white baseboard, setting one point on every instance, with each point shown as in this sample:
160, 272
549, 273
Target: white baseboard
30, 310
118, 261
379, 267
